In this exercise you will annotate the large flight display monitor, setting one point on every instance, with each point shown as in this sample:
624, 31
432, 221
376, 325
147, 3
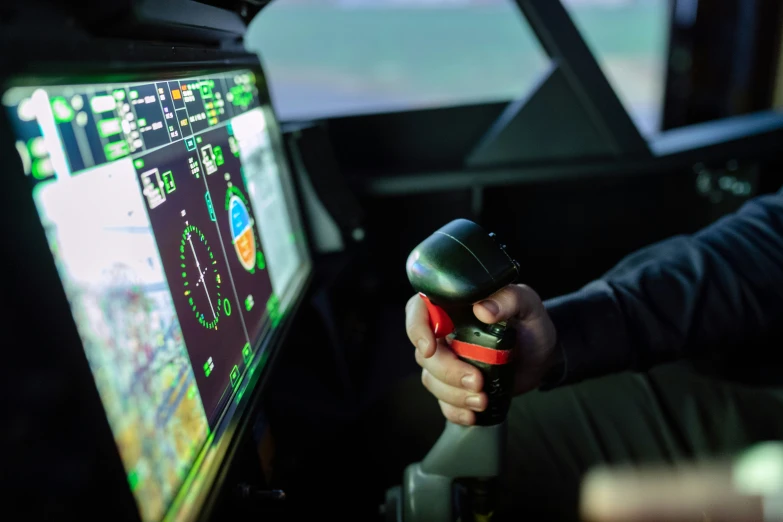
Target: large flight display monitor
172, 222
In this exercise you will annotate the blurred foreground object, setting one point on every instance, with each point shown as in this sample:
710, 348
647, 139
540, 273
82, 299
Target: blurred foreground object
749, 489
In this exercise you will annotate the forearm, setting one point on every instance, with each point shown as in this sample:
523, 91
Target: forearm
678, 298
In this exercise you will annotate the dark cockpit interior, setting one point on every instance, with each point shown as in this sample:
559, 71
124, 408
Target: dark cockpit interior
254, 249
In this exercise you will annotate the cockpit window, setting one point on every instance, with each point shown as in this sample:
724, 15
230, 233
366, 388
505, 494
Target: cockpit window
339, 57
630, 39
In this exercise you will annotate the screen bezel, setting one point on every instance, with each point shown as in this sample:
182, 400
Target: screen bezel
132, 64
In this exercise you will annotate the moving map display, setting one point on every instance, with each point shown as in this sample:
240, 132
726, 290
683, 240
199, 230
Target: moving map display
164, 224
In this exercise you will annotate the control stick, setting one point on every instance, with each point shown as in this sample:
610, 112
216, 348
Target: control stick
457, 266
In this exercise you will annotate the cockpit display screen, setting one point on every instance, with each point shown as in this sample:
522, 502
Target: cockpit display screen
170, 217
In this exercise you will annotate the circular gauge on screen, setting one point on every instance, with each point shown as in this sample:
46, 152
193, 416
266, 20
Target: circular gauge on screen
242, 231
201, 277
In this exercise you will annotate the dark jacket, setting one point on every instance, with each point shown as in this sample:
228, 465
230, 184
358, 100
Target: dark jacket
717, 292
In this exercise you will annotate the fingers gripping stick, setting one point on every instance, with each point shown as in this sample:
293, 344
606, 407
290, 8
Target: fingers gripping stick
441, 326
457, 266
487, 347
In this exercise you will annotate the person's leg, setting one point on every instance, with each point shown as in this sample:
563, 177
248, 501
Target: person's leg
668, 414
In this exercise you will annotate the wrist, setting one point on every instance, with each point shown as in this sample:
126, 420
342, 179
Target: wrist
555, 367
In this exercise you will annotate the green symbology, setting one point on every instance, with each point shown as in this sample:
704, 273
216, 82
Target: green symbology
116, 150
63, 113
168, 182
273, 309
241, 96
201, 278
133, 480
206, 87
234, 376
234, 191
210, 208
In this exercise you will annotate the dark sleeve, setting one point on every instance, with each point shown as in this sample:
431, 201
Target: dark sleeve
676, 299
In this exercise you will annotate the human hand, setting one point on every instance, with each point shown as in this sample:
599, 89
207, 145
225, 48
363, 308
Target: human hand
458, 385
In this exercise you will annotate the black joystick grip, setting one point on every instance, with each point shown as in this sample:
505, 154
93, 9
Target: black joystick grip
457, 266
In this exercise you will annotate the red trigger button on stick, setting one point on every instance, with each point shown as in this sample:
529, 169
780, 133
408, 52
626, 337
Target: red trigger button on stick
440, 322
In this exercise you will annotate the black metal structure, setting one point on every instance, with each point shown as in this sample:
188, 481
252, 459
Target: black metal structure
572, 113
723, 59
208, 23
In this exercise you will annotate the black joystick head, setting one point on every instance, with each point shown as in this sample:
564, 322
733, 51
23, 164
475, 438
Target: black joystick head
460, 264
457, 266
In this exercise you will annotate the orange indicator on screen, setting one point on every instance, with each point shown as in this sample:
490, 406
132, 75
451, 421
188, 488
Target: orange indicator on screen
246, 248
242, 233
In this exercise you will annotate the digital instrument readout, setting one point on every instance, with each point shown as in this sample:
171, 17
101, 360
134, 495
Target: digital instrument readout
165, 212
